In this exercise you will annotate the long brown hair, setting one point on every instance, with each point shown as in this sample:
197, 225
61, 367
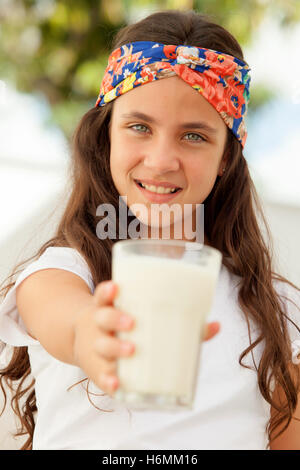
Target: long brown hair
231, 213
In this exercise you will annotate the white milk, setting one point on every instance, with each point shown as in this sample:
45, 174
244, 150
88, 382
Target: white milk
170, 300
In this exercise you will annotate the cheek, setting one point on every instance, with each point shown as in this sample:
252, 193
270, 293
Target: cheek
122, 163
117, 154
124, 155
202, 171
201, 177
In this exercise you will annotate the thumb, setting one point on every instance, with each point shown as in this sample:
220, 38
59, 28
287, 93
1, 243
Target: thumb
105, 292
210, 330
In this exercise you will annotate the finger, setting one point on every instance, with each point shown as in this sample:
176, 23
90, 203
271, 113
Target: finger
103, 372
211, 329
111, 347
108, 382
111, 319
109, 366
105, 292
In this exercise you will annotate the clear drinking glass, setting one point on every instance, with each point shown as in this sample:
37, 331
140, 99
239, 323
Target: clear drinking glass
168, 287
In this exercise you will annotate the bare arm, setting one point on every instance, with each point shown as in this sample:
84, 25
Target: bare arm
76, 326
49, 302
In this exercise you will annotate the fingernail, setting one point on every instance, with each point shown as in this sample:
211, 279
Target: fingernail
111, 382
125, 321
215, 326
107, 287
126, 348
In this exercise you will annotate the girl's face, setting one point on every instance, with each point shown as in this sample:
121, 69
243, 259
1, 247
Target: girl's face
166, 132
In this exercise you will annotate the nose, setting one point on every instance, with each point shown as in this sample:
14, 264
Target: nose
162, 156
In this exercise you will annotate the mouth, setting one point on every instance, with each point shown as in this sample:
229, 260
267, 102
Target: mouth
162, 188
157, 193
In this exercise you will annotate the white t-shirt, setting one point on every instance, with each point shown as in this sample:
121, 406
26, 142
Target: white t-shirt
229, 411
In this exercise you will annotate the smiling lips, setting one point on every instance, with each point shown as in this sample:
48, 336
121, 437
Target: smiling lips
163, 184
155, 193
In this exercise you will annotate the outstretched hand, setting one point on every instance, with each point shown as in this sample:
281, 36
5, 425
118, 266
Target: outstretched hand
97, 347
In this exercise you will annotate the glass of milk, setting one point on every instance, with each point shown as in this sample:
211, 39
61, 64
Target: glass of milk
168, 287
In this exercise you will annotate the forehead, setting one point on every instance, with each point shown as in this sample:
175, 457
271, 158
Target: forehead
167, 98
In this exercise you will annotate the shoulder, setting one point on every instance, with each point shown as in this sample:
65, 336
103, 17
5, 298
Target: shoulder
229, 283
290, 298
62, 255
287, 292
12, 328
65, 258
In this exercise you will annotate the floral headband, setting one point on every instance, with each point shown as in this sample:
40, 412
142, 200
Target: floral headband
223, 80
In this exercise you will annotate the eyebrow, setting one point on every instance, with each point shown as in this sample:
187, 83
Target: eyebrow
185, 125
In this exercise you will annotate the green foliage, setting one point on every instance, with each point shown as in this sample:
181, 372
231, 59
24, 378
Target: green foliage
60, 47
260, 94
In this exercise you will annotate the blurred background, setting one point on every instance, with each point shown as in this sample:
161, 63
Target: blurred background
52, 57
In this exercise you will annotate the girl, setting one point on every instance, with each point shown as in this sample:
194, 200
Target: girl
186, 130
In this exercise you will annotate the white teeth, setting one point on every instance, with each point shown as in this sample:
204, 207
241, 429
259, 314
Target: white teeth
158, 189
